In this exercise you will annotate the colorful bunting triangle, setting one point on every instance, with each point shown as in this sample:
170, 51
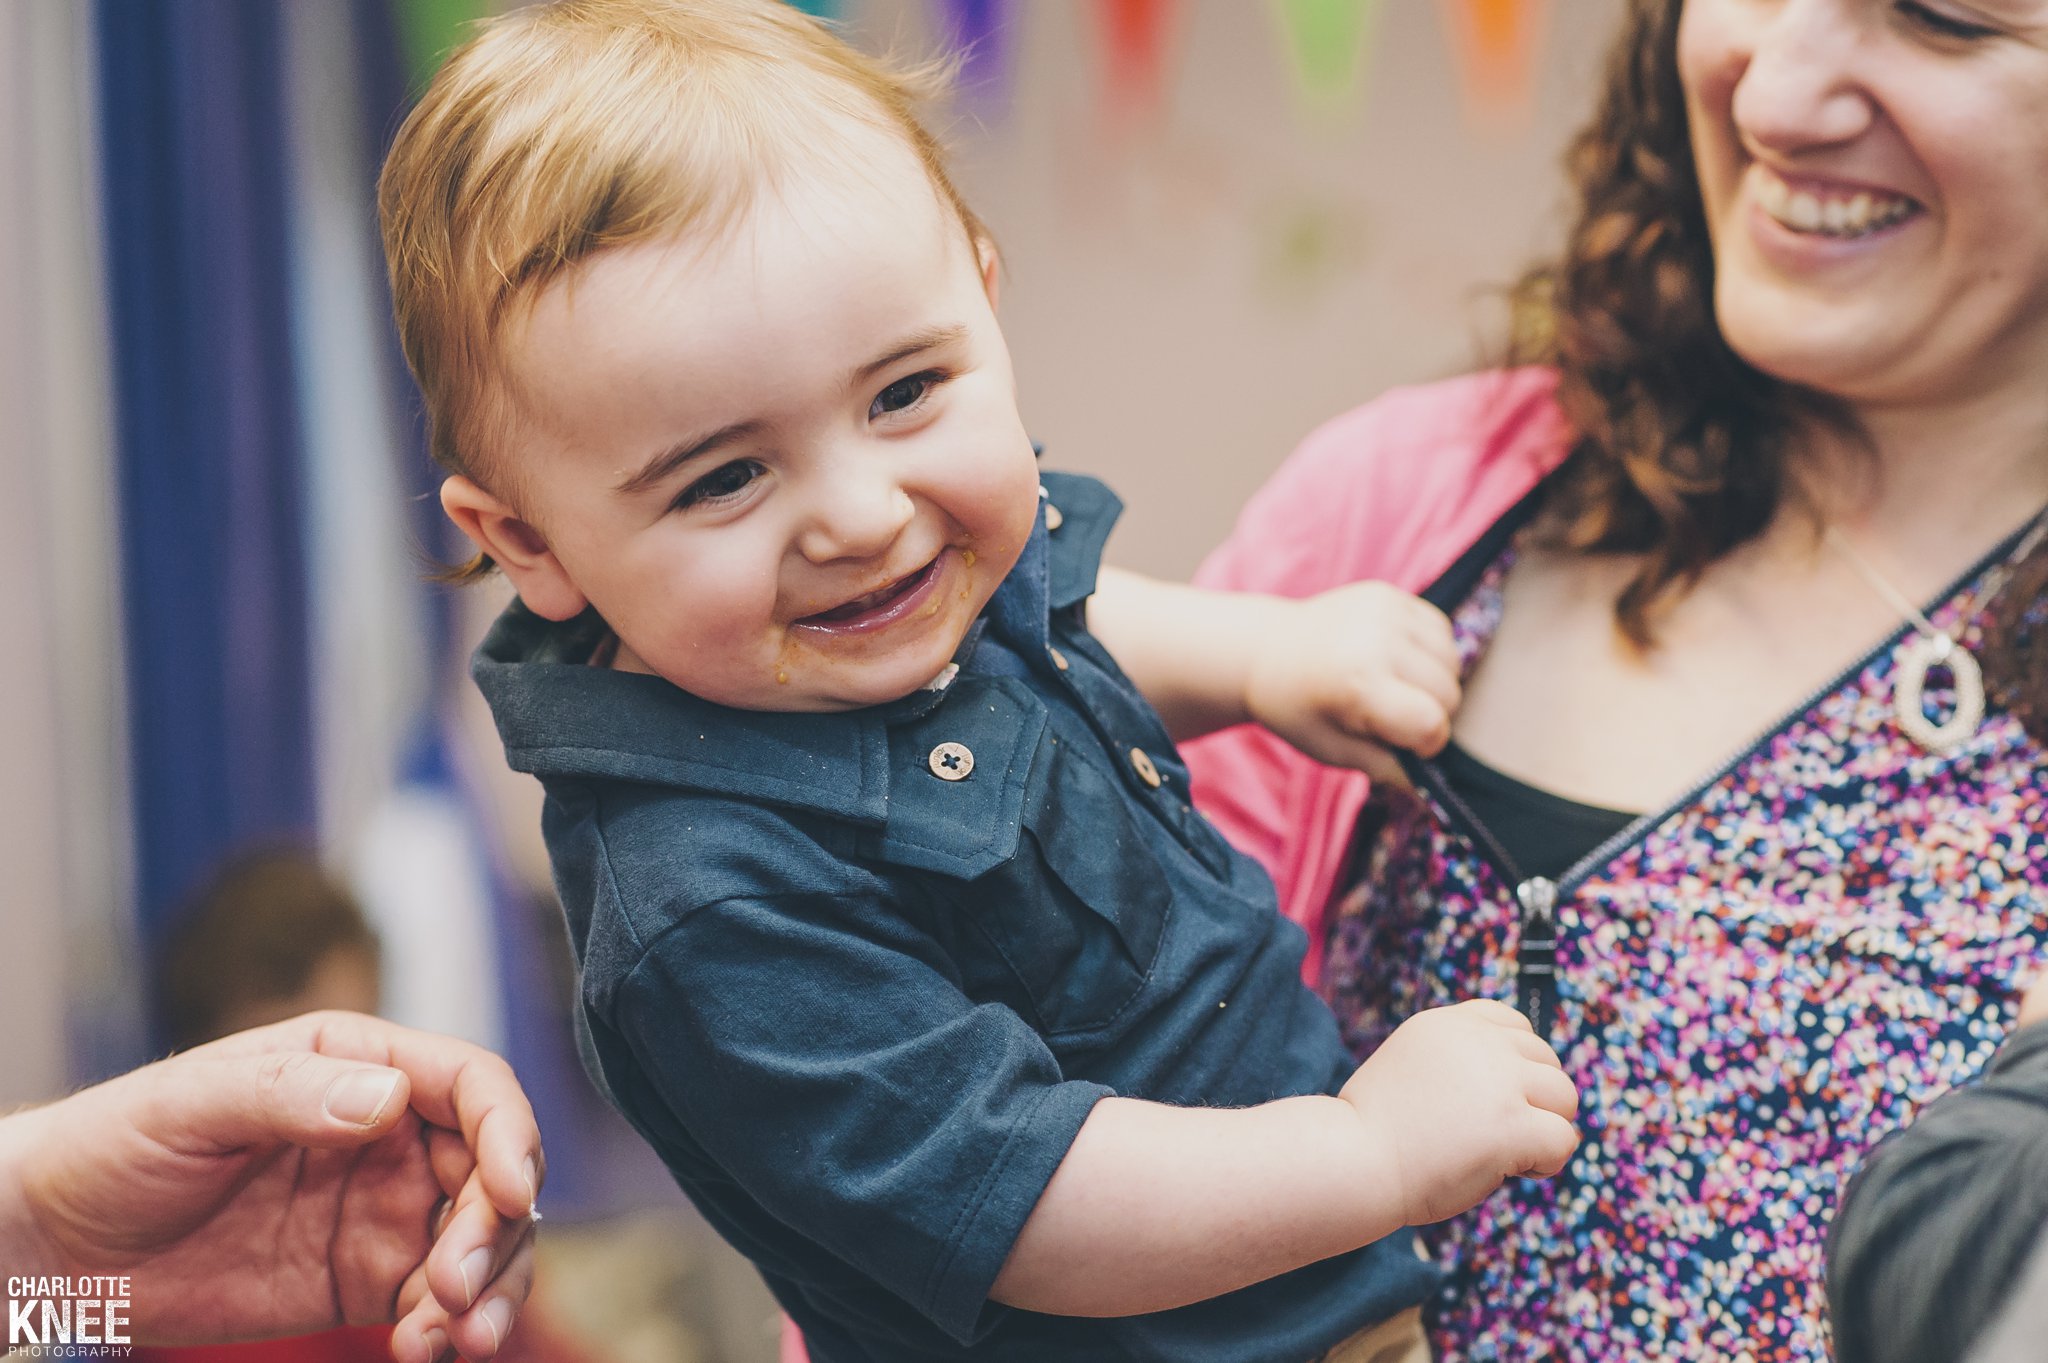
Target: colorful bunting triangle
431, 29
979, 32
1497, 43
1135, 34
1328, 41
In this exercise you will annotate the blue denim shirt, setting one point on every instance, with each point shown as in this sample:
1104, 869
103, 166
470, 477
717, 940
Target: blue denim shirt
861, 1003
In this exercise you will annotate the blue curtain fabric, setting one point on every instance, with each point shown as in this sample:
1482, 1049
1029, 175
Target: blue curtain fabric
193, 159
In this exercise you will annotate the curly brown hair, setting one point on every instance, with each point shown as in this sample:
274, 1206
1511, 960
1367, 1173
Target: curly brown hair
1683, 450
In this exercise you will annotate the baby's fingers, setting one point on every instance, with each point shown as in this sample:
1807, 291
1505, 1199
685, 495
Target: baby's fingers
1401, 714
1552, 1090
1429, 675
1431, 628
1547, 1144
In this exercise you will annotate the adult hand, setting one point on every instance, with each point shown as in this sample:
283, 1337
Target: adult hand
289, 1179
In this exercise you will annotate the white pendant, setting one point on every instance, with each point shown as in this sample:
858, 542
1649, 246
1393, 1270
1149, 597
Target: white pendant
1921, 655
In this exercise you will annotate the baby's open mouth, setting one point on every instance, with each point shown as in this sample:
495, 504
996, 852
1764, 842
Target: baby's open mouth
879, 605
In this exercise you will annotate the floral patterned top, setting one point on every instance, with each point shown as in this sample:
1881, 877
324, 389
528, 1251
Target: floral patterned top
1752, 987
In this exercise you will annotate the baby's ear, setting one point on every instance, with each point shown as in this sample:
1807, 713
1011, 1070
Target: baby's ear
991, 263
518, 549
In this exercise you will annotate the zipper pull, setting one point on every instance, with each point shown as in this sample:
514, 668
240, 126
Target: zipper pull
1536, 961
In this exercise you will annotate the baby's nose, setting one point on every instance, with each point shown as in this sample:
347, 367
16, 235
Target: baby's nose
856, 520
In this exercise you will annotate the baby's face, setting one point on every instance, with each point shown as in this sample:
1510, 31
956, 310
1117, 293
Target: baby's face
785, 463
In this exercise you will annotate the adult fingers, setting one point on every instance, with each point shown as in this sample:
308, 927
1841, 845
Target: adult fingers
454, 1084
219, 1102
481, 1331
451, 1158
472, 1249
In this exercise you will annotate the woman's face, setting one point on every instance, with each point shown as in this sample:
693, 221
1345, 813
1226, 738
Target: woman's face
1875, 178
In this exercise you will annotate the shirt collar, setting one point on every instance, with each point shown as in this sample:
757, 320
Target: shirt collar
560, 717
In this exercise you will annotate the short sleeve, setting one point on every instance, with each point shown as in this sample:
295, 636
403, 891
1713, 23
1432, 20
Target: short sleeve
820, 1051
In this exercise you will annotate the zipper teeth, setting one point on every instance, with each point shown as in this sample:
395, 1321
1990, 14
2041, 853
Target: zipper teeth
1440, 786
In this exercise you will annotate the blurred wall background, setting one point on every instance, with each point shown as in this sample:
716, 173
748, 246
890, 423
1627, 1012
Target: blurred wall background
1223, 221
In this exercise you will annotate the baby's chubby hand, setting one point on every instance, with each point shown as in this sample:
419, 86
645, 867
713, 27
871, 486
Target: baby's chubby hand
1457, 1101
1346, 675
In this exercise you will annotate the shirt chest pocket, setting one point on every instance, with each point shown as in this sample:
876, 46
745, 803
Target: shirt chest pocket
1042, 858
1078, 913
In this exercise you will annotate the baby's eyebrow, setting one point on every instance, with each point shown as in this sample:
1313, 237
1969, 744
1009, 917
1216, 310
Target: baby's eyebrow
928, 339
668, 461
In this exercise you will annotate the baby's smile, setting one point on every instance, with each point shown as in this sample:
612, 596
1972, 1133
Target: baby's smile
882, 607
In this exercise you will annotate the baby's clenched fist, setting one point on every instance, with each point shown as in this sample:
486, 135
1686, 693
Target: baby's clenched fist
1457, 1101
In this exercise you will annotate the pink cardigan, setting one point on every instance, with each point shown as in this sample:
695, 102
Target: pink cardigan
1394, 490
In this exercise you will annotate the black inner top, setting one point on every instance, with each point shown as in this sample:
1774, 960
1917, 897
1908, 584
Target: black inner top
1546, 834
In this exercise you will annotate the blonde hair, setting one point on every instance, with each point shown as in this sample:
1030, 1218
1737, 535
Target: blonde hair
565, 129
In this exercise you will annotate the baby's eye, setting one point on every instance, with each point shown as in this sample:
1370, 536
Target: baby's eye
905, 394
727, 480
1941, 24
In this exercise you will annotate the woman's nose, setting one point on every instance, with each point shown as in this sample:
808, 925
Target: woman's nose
1801, 86
856, 516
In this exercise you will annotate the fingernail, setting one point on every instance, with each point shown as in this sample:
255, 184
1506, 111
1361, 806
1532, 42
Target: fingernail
498, 1315
437, 1343
532, 1188
476, 1271
360, 1096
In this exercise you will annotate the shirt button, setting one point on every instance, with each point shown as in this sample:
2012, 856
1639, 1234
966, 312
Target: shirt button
1053, 518
950, 761
1059, 659
1142, 765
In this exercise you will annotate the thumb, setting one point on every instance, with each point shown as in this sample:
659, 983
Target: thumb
295, 1098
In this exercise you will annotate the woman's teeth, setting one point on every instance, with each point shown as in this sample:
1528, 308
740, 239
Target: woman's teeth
1832, 215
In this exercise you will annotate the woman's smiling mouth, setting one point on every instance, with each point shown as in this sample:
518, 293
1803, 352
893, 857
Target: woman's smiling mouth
1841, 212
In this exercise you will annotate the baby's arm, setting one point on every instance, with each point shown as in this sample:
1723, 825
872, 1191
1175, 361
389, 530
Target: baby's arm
818, 1046
1342, 676
1156, 1207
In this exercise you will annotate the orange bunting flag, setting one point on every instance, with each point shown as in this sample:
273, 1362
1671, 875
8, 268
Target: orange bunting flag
1497, 43
1134, 38
1328, 39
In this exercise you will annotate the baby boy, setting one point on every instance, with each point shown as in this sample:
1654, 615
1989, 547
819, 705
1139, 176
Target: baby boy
899, 939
